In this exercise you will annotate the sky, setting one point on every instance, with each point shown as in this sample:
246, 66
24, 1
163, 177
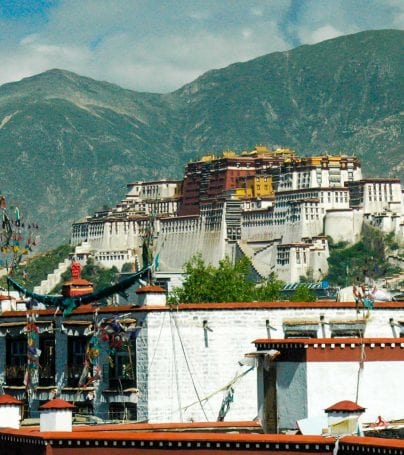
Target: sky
160, 45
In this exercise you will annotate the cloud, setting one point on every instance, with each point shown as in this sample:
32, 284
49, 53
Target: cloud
321, 19
154, 65
322, 33
158, 45
256, 11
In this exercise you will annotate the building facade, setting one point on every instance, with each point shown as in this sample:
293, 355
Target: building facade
164, 364
269, 205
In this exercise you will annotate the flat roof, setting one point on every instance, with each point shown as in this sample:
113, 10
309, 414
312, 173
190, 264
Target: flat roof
119, 439
89, 309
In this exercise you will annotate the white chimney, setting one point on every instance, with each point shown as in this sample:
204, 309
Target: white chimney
343, 417
56, 415
151, 296
7, 303
10, 412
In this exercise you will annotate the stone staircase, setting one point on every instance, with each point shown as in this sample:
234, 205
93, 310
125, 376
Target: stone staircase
53, 278
246, 250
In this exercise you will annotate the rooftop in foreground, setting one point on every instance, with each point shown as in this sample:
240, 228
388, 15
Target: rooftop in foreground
181, 438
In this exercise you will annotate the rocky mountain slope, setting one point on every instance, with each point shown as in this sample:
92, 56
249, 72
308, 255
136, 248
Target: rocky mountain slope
69, 144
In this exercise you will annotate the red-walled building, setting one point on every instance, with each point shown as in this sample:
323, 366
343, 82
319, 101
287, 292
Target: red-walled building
212, 176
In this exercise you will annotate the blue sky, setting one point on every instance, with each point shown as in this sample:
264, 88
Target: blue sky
159, 45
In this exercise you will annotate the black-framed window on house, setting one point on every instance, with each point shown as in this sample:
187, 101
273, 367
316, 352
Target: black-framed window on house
47, 360
300, 329
76, 352
122, 372
84, 407
122, 411
16, 359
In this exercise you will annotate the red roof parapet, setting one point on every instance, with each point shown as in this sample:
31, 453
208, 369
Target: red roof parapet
57, 403
6, 399
345, 406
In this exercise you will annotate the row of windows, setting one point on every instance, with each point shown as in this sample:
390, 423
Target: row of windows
115, 257
121, 372
181, 226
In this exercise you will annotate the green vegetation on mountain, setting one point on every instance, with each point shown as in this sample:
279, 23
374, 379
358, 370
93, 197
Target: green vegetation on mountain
225, 283
38, 267
367, 258
69, 144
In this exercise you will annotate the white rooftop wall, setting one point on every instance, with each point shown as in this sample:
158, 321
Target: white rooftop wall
213, 356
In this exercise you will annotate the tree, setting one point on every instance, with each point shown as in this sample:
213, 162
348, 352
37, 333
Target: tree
197, 284
269, 290
230, 282
303, 294
225, 283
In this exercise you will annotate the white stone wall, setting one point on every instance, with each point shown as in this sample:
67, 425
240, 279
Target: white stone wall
339, 225
213, 357
380, 196
213, 363
56, 420
344, 225
319, 177
10, 416
380, 387
153, 190
177, 248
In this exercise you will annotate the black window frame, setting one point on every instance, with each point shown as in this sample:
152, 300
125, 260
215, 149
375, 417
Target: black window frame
117, 378
76, 355
14, 374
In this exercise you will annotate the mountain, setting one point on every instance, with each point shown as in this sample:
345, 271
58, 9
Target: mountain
69, 144
342, 95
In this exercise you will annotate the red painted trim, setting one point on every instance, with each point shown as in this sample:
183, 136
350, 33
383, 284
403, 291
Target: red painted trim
167, 426
327, 341
57, 403
335, 349
7, 399
285, 443
169, 436
345, 406
150, 289
278, 305
358, 441
85, 309
349, 354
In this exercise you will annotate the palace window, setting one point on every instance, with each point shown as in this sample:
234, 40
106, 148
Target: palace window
16, 360
47, 361
76, 350
123, 411
122, 372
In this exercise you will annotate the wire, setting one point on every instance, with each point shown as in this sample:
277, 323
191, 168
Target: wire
225, 387
157, 342
188, 367
175, 367
361, 360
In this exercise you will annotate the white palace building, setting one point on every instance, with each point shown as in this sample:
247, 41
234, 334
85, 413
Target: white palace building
271, 205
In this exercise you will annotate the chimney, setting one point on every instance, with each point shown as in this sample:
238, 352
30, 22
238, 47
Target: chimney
343, 417
150, 295
56, 415
7, 303
10, 412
